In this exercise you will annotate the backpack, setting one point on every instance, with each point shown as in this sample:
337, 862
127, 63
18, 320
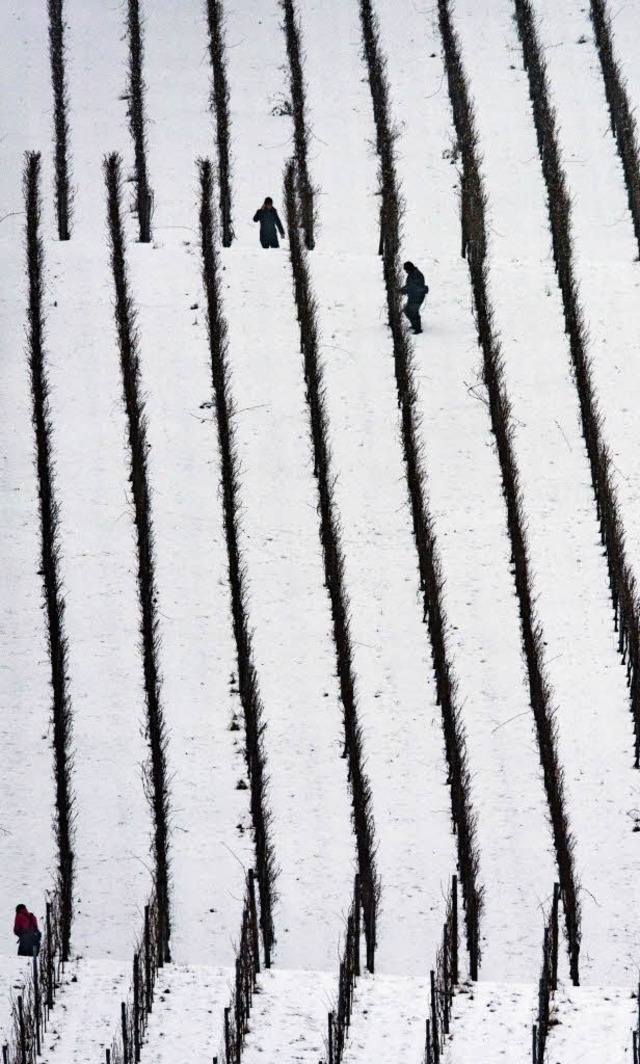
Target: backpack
35, 936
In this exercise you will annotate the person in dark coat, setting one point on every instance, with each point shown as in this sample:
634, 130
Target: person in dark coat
415, 290
270, 224
25, 926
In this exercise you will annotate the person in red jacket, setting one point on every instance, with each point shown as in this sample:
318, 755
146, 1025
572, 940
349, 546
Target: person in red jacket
25, 926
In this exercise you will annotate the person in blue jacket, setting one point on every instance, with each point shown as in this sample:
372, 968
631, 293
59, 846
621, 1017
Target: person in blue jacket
415, 290
270, 224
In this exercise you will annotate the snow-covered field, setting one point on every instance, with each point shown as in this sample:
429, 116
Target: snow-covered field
288, 606
586, 673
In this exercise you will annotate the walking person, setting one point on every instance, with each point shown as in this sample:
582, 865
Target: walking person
25, 926
270, 224
415, 290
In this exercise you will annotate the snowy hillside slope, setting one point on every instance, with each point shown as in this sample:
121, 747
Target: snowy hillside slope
210, 839
400, 1035
26, 781
82, 1023
289, 1017
606, 252
187, 990
586, 673
625, 25
288, 607
304, 738
465, 490
403, 734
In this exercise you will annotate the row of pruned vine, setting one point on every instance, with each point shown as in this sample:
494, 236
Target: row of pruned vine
475, 247
635, 1034
63, 193
621, 111
247, 675
127, 1042
340, 1018
297, 89
622, 583
333, 558
61, 711
148, 957
548, 981
443, 981
247, 967
220, 108
431, 576
136, 112
156, 774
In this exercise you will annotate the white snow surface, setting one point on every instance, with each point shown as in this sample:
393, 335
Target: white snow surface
464, 494
401, 1035
196, 992
289, 1017
81, 1026
288, 605
491, 1022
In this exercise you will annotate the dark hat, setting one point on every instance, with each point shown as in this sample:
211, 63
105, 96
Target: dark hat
408, 266
268, 200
